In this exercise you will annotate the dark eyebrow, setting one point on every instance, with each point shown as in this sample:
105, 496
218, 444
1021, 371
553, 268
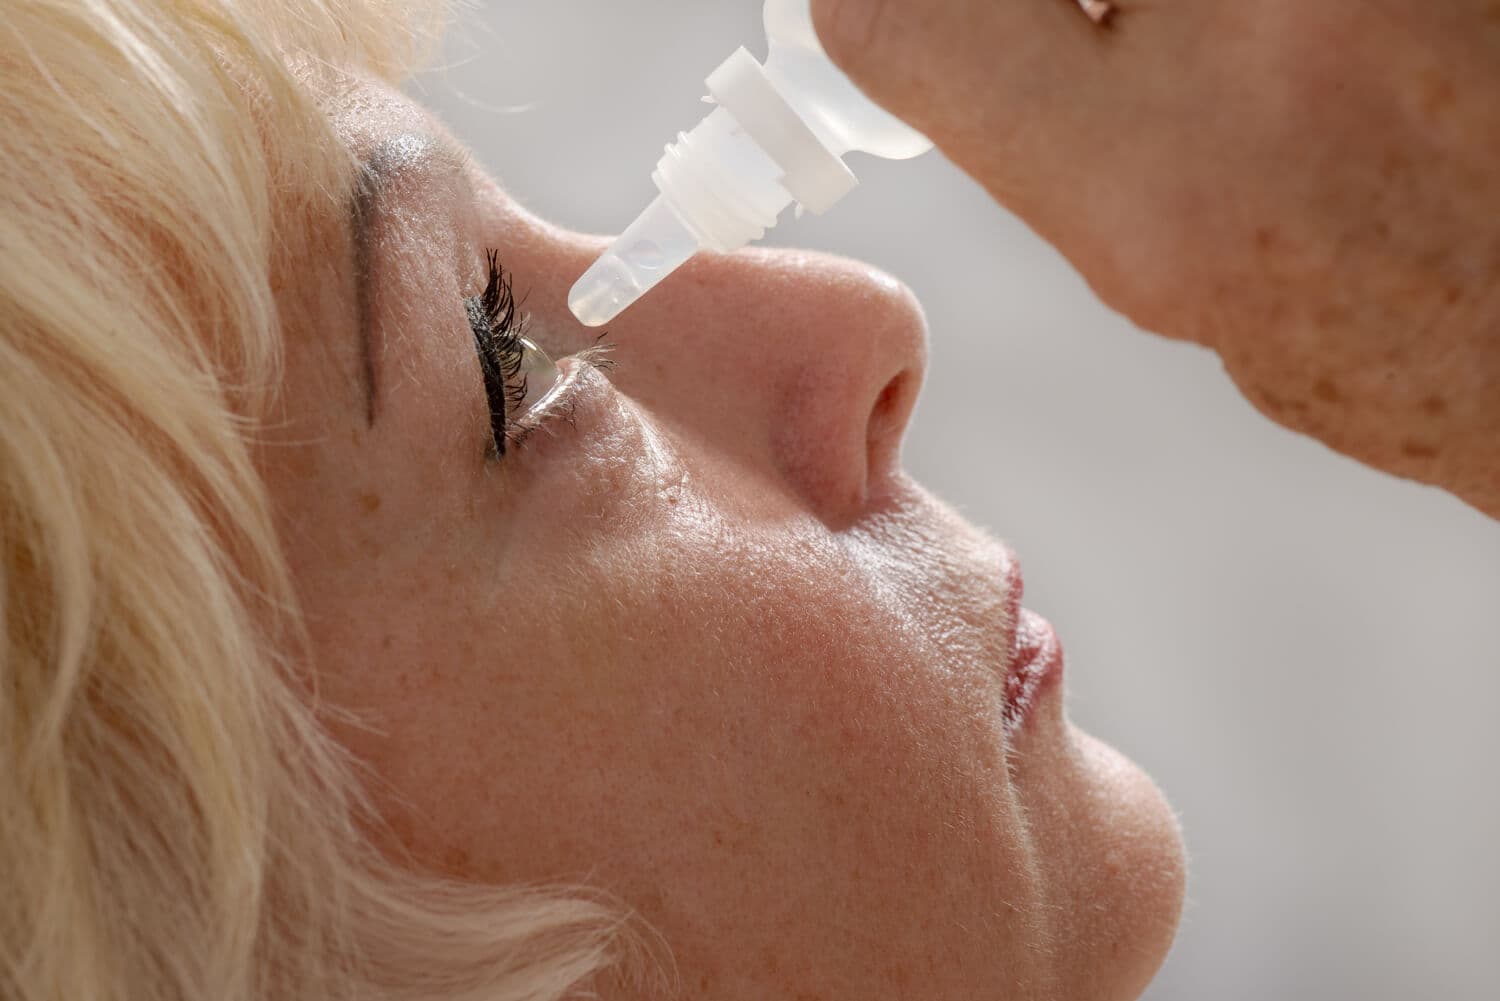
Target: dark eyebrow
394, 157
361, 206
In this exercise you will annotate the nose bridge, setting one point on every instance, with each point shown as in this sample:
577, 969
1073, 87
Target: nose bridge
804, 363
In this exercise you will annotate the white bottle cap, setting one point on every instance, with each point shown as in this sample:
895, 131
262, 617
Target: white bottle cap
722, 185
812, 173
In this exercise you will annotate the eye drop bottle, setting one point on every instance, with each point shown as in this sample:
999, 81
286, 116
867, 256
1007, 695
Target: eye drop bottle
776, 136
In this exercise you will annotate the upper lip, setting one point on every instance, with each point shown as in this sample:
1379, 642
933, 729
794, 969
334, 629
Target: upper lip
1015, 586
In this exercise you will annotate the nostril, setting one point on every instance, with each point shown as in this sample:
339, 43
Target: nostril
885, 403
886, 426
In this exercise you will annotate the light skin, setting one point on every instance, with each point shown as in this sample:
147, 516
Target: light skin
699, 642
1309, 189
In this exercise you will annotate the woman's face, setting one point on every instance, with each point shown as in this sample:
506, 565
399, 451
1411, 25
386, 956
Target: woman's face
697, 640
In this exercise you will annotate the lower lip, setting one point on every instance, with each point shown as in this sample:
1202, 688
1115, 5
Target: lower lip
1035, 669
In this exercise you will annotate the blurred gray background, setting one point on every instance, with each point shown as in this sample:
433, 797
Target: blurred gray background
1303, 652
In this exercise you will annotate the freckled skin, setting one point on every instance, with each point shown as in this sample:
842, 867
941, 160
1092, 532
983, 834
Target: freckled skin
703, 644
1325, 390
1310, 189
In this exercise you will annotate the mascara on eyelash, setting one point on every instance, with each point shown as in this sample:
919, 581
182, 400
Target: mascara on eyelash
523, 385
498, 325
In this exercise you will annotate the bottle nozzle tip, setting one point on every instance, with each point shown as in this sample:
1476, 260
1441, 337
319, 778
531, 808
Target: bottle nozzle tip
603, 292
654, 246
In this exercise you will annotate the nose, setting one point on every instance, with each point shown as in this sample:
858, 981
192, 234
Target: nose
807, 363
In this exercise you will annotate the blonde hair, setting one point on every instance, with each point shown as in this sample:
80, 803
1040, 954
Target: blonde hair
174, 821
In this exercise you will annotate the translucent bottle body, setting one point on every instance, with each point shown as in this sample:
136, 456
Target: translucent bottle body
836, 110
777, 136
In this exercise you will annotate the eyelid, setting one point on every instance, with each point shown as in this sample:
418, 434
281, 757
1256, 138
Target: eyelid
536, 366
557, 404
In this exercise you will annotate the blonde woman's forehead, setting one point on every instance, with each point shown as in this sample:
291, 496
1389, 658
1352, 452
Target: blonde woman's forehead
375, 140
365, 114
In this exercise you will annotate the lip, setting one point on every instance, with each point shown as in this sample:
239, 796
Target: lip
1036, 657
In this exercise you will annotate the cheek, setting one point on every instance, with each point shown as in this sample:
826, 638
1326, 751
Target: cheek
720, 717
717, 731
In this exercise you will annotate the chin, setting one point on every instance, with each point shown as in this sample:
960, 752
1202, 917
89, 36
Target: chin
1119, 865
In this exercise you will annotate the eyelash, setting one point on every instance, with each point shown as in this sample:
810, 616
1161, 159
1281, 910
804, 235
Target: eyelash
498, 324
